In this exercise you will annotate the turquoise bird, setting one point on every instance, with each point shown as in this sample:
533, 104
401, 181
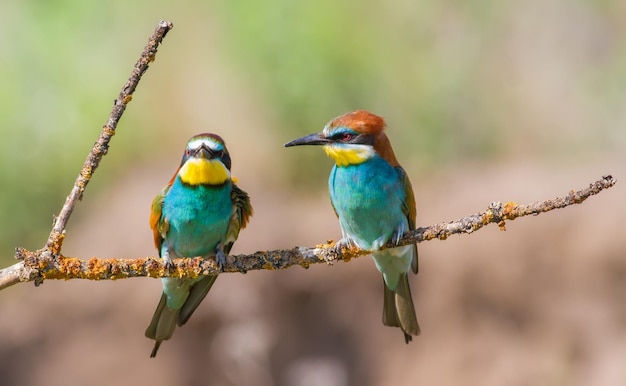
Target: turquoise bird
199, 213
373, 199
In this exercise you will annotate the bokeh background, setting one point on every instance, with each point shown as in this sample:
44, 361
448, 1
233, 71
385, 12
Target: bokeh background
484, 100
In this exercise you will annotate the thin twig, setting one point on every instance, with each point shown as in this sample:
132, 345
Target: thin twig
112, 269
50, 254
101, 146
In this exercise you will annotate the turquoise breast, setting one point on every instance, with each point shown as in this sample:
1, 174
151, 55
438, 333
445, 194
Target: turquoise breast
198, 218
368, 199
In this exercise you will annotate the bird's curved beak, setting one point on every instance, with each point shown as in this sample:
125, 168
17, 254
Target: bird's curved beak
311, 139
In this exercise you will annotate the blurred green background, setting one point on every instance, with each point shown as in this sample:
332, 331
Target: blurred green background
484, 100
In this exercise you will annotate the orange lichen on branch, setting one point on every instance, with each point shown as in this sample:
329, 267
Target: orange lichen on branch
69, 266
113, 269
487, 217
97, 268
55, 241
191, 268
86, 172
108, 131
509, 210
64, 269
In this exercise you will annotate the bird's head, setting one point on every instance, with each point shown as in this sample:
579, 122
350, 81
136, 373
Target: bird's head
351, 139
205, 162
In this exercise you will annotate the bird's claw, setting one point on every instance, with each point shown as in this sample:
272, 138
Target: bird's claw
396, 236
344, 250
220, 260
169, 265
336, 252
338, 247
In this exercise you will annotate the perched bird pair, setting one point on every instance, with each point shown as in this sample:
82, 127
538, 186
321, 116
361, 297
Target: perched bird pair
201, 211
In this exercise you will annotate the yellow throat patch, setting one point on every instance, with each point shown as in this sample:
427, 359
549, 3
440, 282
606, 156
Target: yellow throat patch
349, 155
200, 171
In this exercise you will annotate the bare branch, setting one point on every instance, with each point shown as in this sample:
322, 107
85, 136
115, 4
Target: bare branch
101, 146
112, 269
50, 255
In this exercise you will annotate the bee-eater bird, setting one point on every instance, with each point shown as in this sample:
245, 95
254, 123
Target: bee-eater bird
199, 213
373, 199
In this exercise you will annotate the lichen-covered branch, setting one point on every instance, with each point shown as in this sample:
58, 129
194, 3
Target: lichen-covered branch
112, 269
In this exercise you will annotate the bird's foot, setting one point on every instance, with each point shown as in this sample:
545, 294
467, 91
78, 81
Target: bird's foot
220, 259
169, 266
338, 251
168, 263
397, 235
339, 246
347, 249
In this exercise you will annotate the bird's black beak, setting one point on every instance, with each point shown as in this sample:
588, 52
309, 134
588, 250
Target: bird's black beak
204, 152
311, 139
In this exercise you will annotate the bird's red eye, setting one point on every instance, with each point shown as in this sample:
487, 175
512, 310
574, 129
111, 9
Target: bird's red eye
347, 136
187, 152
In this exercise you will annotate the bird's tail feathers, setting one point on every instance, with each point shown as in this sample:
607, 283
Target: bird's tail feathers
390, 317
398, 309
197, 292
162, 325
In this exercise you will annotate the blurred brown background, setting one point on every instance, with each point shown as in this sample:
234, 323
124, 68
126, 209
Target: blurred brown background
485, 101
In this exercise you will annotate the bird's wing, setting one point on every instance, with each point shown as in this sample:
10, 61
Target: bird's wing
408, 207
158, 224
242, 211
331, 188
